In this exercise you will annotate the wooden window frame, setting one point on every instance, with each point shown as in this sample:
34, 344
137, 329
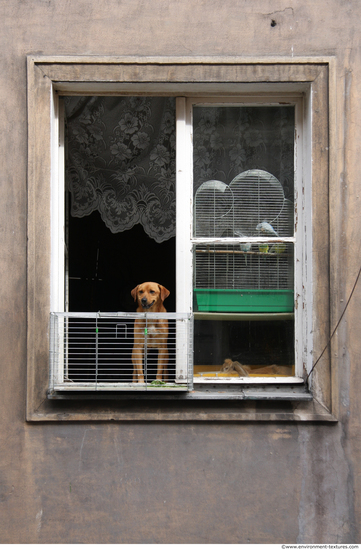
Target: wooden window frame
49, 77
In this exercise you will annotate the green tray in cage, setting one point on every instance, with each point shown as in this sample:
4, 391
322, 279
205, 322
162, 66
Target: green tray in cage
244, 300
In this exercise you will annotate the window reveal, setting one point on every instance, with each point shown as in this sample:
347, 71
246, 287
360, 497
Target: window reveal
310, 85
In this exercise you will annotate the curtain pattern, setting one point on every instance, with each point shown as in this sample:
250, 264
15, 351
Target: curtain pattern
121, 161
120, 157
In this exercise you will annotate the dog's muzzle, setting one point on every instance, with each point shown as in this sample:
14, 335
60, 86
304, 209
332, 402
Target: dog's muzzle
145, 304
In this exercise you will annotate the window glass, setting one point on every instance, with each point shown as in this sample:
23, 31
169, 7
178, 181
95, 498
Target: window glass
243, 170
243, 187
234, 348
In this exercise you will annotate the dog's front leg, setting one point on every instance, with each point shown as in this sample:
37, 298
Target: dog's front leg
162, 372
137, 359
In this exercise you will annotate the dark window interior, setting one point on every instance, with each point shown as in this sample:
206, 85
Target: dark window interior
104, 267
249, 342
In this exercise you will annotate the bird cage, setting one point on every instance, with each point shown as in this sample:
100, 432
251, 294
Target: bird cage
259, 197
251, 276
252, 197
213, 206
93, 351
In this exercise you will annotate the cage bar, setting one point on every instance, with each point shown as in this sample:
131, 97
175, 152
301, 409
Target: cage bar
260, 279
236, 210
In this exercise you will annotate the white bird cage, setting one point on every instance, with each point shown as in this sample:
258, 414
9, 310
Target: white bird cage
213, 205
259, 197
252, 197
93, 351
256, 276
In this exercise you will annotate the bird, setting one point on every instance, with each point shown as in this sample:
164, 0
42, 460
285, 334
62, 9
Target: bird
267, 229
278, 248
263, 247
245, 247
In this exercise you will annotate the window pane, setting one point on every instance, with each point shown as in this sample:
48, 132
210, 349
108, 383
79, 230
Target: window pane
260, 347
243, 185
243, 168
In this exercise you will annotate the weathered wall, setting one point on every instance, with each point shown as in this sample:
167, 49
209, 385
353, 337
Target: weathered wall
172, 482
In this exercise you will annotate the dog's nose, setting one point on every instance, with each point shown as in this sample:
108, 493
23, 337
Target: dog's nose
144, 301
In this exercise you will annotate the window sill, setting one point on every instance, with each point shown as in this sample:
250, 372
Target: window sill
225, 394
195, 406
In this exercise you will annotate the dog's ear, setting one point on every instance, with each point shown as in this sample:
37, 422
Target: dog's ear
134, 293
164, 293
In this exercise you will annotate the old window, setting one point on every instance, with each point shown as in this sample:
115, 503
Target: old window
218, 197
246, 245
122, 223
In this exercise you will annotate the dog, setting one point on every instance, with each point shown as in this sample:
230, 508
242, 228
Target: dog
150, 298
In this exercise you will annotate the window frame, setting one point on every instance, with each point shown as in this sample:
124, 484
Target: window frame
49, 77
186, 241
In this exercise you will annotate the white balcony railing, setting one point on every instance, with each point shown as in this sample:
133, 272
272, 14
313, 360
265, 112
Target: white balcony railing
95, 352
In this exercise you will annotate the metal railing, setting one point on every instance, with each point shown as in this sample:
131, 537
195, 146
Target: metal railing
98, 352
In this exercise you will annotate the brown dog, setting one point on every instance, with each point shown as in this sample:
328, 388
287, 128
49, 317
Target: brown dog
150, 298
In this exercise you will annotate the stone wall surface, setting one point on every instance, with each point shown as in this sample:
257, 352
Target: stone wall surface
191, 482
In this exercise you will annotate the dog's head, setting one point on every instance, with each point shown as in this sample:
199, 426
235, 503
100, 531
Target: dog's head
150, 295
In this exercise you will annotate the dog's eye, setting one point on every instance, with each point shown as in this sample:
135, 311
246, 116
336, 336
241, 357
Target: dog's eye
152, 292
141, 292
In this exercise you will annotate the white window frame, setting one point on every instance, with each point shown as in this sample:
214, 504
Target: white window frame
185, 239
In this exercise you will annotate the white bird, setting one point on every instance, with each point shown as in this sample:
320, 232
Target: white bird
267, 229
246, 247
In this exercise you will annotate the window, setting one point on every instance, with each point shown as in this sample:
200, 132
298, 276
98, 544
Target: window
243, 259
122, 224
245, 243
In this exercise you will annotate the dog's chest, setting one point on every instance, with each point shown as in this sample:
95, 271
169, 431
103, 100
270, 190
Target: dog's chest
154, 333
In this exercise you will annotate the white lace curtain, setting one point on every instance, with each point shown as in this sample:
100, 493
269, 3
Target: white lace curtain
121, 155
121, 161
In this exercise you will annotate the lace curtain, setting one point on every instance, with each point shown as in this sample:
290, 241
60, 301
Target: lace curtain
121, 161
121, 155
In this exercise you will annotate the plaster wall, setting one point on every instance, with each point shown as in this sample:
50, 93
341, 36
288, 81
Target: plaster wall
174, 482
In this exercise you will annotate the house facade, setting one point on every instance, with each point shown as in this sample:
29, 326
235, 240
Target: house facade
98, 100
